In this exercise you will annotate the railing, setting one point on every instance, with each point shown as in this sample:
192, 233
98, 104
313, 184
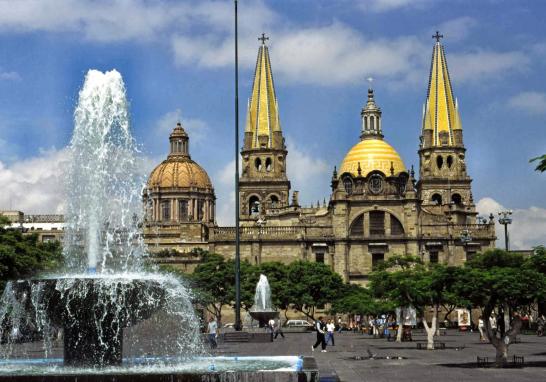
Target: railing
476, 231
44, 219
270, 233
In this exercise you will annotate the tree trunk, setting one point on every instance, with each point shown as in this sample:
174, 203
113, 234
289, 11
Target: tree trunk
501, 344
431, 330
400, 330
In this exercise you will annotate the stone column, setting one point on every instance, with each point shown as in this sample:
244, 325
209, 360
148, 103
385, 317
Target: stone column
387, 223
366, 221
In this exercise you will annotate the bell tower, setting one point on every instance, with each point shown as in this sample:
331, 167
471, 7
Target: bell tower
444, 185
263, 183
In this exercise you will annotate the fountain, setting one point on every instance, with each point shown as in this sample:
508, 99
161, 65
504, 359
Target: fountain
262, 311
107, 293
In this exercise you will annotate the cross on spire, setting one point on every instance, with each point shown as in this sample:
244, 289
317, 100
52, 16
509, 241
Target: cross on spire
263, 38
438, 36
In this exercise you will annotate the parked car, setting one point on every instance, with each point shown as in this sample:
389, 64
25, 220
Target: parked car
298, 326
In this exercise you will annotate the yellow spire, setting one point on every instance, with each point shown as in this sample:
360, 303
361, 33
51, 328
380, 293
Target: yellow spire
441, 111
263, 112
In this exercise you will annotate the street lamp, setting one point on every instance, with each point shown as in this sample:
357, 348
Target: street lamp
505, 219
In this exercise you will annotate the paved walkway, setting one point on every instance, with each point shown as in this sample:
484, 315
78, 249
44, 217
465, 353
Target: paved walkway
456, 363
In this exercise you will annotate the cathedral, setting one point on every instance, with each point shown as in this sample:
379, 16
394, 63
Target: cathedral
377, 207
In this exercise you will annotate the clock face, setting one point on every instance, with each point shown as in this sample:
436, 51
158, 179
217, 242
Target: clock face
375, 184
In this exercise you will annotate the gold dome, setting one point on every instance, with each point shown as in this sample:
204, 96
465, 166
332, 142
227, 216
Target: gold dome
179, 172
372, 154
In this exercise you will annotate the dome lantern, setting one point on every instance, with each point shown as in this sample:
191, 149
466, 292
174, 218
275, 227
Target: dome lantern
179, 142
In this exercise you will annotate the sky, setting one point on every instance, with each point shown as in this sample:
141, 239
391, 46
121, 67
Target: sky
176, 58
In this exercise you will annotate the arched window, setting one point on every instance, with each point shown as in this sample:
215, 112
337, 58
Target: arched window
357, 228
268, 164
449, 161
254, 205
372, 123
258, 164
365, 123
274, 201
377, 223
457, 199
439, 161
396, 226
436, 199
348, 184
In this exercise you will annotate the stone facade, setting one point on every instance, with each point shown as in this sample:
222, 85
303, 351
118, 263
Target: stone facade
376, 208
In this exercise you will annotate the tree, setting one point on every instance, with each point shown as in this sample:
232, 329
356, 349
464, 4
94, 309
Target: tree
23, 256
213, 281
541, 163
396, 280
312, 285
277, 274
503, 282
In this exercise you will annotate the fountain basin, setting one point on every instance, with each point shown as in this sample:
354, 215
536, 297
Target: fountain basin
263, 369
263, 317
92, 311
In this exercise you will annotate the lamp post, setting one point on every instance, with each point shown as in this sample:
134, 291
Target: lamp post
505, 219
238, 325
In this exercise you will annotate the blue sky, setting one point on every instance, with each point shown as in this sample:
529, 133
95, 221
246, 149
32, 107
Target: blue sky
177, 62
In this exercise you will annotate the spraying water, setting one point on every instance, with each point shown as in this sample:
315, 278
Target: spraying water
102, 181
262, 297
104, 304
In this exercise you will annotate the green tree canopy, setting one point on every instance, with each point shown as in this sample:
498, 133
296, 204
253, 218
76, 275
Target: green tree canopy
541, 163
502, 282
312, 285
23, 256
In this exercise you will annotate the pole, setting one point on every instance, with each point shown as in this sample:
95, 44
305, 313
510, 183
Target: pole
238, 325
506, 245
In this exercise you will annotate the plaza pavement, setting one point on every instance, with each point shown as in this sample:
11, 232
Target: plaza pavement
456, 363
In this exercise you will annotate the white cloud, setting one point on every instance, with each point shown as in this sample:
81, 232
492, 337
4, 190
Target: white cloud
391, 5
529, 102
9, 76
195, 127
485, 64
34, 185
457, 29
528, 228
224, 187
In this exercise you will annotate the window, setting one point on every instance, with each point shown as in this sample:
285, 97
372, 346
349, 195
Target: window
376, 184
274, 201
48, 238
268, 164
348, 184
182, 210
357, 229
396, 226
457, 199
253, 205
377, 223
258, 164
166, 211
377, 258
439, 161
319, 257
200, 209
436, 199
433, 257
449, 161
372, 123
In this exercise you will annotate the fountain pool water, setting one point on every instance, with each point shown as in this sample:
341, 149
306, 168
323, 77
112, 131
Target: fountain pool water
116, 314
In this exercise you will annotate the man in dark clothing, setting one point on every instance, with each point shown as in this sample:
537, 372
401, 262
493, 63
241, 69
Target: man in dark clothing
320, 327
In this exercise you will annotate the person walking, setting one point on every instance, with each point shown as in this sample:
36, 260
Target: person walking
330, 328
481, 327
493, 323
320, 328
278, 328
212, 330
270, 327
541, 322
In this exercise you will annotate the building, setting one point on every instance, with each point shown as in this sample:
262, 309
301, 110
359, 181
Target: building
47, 227
377, 207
